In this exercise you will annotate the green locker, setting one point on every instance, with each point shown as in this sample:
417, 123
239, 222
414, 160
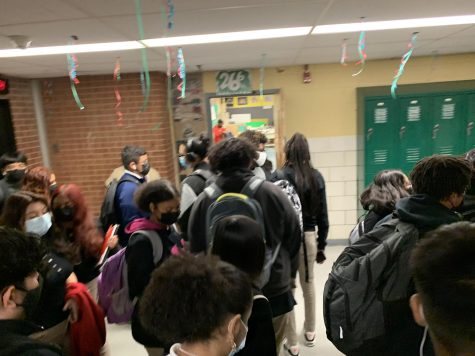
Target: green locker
414, 131
470, 123
449, 125
381, 136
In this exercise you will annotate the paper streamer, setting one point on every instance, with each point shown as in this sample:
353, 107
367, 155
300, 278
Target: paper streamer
170, 14
145, 79
118, 97
181, 73
344, 52
362, 53
72, 68
405, 58
261, 75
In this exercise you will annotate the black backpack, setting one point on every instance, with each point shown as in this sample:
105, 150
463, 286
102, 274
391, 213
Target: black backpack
108, 214
367, 275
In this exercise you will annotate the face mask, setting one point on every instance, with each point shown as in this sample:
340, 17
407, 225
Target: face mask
145, 169
30, 302
261, 159
64, 214
182, 161
169, 218
15, 176
39, 225
241, 346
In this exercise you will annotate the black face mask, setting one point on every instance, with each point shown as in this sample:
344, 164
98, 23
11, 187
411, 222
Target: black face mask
64, 214
145, 169
15, 176
30, 302
169, 218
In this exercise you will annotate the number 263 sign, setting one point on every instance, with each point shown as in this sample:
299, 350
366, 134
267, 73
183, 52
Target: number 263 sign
233, 82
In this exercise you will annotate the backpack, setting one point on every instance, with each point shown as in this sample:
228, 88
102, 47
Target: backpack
243, 203
113, 285
356, 233
365, 277
108, 214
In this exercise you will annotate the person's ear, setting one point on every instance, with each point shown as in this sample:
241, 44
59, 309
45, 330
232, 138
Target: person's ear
234, 326
7, 301
152, 207
132, 166
418, 310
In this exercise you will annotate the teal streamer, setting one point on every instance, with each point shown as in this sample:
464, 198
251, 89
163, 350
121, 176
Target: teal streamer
405, 58
143, 53
76, 96
261, 75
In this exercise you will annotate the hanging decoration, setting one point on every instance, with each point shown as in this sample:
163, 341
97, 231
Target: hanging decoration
344, 52
361, 53
181, 73
145, 74
261, 75
72, 68
120, 116
405, 58
307, 76
170, 14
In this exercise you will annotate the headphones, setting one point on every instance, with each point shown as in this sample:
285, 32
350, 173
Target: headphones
195, 149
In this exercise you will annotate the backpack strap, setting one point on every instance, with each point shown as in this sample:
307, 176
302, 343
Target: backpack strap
202, 173
260, 296
361, 228
213, 191
252, 186
155, 240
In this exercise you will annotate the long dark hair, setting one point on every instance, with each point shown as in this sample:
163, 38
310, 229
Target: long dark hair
387, 188
297, 155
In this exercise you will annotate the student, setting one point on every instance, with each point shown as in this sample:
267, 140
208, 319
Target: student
444, 273
20, 256
40, 180
79, 233
439, 184
310, 187
204, 304
12, 168
258, 140
232, 160
135, 161
380, 198
161, 201
192, 186
238, 240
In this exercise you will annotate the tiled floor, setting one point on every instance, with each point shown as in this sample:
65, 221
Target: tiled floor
121, 342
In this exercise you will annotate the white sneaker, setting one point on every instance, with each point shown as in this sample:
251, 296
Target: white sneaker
292, 350
309, 338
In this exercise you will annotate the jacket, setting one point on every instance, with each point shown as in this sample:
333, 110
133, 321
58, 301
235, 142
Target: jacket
281, 225
310, 221
402, 335
125, 206
15, 340
88, 333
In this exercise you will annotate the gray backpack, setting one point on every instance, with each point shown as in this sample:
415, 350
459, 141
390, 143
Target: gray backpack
242, 203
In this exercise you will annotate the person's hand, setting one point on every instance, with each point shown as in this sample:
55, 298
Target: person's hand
321, 257
113, 241
72, 306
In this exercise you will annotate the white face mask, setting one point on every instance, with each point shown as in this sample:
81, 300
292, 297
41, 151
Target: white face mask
262, 158
39, 225
235, 350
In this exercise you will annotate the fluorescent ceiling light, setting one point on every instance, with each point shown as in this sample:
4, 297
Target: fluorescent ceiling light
228, 37
394, 24
81, 48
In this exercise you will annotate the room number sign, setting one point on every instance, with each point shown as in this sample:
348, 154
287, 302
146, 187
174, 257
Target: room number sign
233, 82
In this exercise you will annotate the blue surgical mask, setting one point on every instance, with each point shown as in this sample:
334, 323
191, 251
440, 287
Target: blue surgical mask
39, 225
183, 162
242, 344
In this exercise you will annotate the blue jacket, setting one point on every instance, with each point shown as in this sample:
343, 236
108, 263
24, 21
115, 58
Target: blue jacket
125, 206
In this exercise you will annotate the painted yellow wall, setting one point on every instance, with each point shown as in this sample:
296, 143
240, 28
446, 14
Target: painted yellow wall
327, 106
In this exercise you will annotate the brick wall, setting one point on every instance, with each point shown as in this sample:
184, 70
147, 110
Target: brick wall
24, 121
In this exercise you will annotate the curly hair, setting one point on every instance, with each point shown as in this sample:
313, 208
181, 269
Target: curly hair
197, 295
230, 155
15, 208
439, 176
20, 256
37, 180
156, 191
85, 232
254, 137
387, 188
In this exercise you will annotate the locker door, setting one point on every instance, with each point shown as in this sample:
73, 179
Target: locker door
470, 123
381, 136
448, 130
414, 131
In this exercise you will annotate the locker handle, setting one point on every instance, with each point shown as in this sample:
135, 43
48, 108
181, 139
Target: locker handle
470, 128
402, 131
369, 133
435, 129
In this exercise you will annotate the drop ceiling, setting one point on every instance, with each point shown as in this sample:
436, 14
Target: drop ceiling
51, 22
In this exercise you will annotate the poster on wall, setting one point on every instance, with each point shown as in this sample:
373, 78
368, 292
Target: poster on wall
233, 82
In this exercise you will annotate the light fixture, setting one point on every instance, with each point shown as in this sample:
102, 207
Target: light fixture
228, 37
394, 24
81, 48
